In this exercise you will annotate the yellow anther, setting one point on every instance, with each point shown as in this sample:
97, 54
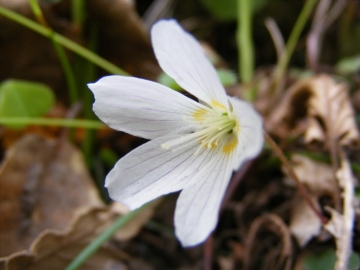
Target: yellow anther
199, 114
218, 105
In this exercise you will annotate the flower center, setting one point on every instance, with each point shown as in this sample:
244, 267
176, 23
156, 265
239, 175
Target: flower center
217, 126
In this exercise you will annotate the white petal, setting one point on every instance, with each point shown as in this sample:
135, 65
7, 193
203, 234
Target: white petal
198, 205
182, 58
142, 108
150, 171
251, 134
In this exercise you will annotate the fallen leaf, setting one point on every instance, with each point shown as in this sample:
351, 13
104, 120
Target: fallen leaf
304, 224
226, 263
54, 249
323, 105
2, 264
331, 108
319, 180
43, 184
335, 225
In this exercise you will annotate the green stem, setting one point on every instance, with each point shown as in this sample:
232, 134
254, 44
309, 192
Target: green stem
102, 238
69, 74
78, 12
244, 40
70, 78
88, 74
61, 122
293, 39
67, 43
37, 12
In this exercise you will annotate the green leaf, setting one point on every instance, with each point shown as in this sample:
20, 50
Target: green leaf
326, 260
227, 77
109, 157
348, 65
24, 99
226, 10
166, 80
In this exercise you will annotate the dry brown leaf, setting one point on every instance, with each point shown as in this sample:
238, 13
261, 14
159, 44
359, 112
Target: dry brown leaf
336, 224
330, 105
326, 108
304, 224
43, 184
319, 180
226, 263
53, 249
2, 264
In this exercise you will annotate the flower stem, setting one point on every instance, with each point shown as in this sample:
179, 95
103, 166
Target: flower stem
61, 122
292, 41
302, 190
67, 43
68, 71
102, 238
69, 74
77, 10
37, 12
244, 40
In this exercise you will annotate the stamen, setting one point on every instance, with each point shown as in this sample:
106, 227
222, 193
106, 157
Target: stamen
214, 124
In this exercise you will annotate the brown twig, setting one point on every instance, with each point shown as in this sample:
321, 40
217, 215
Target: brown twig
276, 36
208, 253
70, 114
302, 190
276, 225
344, 223
324, 17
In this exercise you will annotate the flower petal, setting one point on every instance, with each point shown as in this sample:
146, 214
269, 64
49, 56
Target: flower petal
182, 58
198, 205
150, 171
251, 134
142, 108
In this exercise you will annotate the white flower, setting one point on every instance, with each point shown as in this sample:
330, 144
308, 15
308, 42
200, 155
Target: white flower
194, 146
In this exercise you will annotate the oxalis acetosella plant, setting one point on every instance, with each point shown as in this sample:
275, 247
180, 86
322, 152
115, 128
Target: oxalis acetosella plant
193, 147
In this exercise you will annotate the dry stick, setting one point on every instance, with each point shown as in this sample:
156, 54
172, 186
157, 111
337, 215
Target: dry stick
343, 241
208, 252
324, 17
331, 138
70, 114
279, 44
302, 190
276, 36
314, 39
